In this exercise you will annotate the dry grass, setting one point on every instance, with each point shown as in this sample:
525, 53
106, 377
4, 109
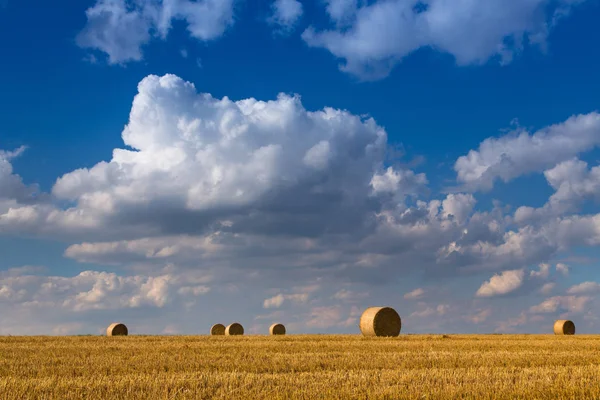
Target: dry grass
301, 367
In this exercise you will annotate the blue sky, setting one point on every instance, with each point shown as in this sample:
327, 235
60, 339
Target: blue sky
468, 202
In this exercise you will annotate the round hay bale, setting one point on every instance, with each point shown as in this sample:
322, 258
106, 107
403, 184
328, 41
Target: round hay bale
380, 321
277, 329
117, 329
217, 330
234, 329
564, 327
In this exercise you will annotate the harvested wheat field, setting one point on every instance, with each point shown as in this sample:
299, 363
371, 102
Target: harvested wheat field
301, 367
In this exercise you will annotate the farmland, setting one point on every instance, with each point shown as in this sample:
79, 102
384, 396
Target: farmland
301, 367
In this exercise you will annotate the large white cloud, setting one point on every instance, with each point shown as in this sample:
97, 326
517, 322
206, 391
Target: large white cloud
120, 28
264, 196
372, 37
211, 179
200, 164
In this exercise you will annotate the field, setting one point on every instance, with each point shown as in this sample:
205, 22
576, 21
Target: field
301, 367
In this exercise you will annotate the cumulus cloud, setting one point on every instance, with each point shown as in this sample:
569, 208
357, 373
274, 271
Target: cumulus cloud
349, 296
286, 13
573, 183
439, 310
574, 304
372, 37
511, 323
278, 300
200, 164
547, 288
274, 302
270, 194
341, 11
12, 189
519, 152
505, 282
95, 290
399, 182
325, 317
120, 28
585, 288
562, 268
543, 272
480, 316
415, 294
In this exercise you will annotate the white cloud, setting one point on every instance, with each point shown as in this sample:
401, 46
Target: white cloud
518, 153
209, 181
12, 188
479, 316
562, 268
198, 162
121, 28
415, 294
95, 290
399, 182
573, 184
116, 30
543, 273
585, 288
547, 288
274, 302
372, 37
341, 11
439, 310
286, 13
458, 206
575, 304
511, 323
349, 295
278, 300
324, 317
270, 195
505, 282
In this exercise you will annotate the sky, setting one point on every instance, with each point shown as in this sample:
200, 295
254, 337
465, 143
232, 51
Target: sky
172, 164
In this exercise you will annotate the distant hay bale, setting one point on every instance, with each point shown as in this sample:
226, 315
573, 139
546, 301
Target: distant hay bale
564, 327
277, 329
380, 321
217, 330
117, 329
234, 329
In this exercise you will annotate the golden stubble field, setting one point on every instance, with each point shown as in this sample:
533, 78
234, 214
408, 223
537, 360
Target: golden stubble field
301, 367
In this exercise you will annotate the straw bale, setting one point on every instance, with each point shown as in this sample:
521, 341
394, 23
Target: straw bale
117, 329
380, 321
277, 329
217, 330
564, 327
234, 329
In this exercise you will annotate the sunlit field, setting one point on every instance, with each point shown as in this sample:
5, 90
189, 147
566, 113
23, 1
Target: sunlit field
301, 367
